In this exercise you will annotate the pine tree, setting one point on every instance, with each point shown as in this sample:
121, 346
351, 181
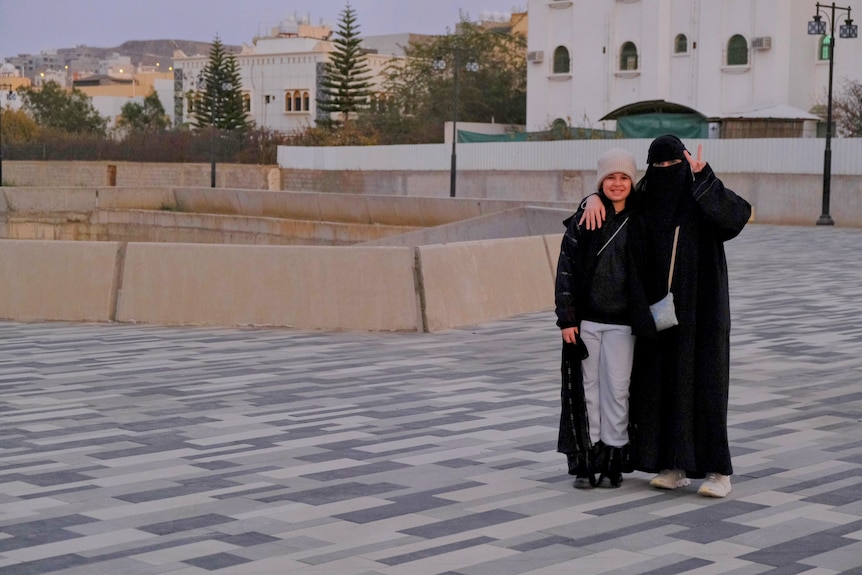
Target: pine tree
219, 102
345, 87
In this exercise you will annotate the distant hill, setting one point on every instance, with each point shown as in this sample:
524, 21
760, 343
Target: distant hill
149, 52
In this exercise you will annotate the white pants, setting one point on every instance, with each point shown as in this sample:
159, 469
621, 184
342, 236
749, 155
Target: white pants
607, 373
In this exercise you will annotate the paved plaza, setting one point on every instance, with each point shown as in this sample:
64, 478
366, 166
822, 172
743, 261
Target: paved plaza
144, 450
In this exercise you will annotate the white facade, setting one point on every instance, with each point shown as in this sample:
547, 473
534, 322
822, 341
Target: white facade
682, 56
280, 77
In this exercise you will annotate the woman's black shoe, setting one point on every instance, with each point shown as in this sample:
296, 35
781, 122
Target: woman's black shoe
610, 481
585, 481
612, 465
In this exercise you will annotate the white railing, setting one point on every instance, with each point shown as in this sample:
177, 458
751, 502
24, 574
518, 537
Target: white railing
757, 156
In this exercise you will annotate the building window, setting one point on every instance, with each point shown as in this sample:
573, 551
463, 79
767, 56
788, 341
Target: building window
246, 102
297, 101
629, 57
562, 62
680, 44
737, 51
825, 47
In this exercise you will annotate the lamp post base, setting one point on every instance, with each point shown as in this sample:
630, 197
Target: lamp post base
825, 220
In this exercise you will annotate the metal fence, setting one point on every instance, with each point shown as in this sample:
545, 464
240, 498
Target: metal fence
167, 146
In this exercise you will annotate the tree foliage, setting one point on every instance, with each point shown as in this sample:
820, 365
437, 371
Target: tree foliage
421, 97
51, 106
349, 134
346, 85
17, 127
218, 101
847, 109
147, 117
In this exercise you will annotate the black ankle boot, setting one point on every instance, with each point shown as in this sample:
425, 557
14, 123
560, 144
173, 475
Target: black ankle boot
595, 461
611, 473
579, 466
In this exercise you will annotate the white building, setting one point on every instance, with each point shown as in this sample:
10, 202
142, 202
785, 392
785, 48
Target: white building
733, 62
281, 73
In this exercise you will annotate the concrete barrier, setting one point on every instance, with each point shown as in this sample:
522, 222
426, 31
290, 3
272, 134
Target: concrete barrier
516, 222
57, 280
253, 216
305, 287
472, 282
429, 288
407, 286
178, 227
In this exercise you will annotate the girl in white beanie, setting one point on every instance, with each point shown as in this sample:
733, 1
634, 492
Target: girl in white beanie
595, 316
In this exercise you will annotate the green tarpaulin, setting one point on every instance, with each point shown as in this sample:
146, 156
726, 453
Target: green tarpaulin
475, 137
564, 134
650, 126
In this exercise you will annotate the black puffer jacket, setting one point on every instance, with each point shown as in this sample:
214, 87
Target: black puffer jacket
595, 289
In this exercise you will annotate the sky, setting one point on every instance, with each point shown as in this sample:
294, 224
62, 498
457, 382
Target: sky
32, 26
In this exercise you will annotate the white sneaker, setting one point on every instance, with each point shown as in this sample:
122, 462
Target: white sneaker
715, 485
670, 479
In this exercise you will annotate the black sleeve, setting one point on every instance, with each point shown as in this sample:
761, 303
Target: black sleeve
564, 291
721, 207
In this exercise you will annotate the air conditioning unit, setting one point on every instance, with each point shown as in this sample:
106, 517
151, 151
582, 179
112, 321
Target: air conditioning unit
762, 43
535, 57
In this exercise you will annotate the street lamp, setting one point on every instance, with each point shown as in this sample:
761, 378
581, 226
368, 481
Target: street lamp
471, 66
849, 30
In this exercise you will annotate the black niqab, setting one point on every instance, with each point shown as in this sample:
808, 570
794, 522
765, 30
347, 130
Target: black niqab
662, 190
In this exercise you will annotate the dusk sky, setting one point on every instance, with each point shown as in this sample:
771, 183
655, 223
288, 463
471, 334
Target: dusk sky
30, 26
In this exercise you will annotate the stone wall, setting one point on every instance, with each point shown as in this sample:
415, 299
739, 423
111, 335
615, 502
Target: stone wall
132, 174
793, 199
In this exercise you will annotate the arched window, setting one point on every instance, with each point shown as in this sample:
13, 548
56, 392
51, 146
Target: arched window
562, 62
737, 51
297, 101
680, 44
288, 102
246, 102
825, 47
306, 101
629, 56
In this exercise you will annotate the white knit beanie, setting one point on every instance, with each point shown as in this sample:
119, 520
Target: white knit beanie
613, 161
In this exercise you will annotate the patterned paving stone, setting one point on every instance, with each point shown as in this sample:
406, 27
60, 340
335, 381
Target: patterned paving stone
147, 450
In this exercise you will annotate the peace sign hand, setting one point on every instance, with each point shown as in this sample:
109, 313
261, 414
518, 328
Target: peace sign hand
698, 164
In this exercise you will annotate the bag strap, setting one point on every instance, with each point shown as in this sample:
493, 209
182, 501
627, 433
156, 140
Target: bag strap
672, 257
612, 237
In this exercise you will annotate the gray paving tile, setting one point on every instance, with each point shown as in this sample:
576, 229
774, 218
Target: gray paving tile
256, 451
